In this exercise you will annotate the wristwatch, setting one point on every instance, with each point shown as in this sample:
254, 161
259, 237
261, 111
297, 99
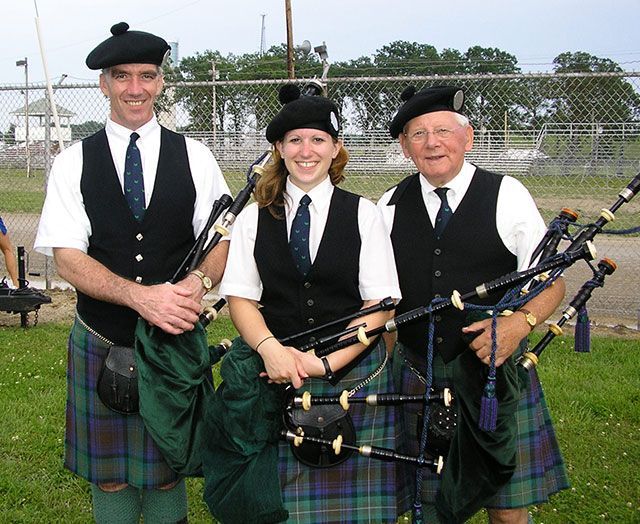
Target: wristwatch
206, 281
529, 317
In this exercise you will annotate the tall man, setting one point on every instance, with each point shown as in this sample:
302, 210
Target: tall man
123, 209
479, 226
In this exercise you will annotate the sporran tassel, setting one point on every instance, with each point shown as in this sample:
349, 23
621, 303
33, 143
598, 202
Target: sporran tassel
583, 332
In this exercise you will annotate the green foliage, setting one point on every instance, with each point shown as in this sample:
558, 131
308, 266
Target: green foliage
85, 129
525, 103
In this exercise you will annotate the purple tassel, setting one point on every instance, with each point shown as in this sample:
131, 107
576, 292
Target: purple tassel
417, 516
489, 405
583, 332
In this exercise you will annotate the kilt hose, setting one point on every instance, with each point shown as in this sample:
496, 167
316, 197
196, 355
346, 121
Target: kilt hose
101, 445
540, 470
360, 489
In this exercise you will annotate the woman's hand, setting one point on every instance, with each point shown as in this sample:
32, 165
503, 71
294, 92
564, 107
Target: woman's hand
282, 363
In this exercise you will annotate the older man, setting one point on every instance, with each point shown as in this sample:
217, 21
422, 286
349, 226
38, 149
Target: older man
453, 226
123, 209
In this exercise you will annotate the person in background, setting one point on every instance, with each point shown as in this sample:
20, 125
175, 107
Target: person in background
123, 209
453, 226
9, 252
304, 254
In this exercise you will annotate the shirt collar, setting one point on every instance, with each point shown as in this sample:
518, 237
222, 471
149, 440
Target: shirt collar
458, 185
124, 133
320, 195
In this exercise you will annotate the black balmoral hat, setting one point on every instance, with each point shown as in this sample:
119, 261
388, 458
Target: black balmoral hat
128, 47
428, 100
309, 112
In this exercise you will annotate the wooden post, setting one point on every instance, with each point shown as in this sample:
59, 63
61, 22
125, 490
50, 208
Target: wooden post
290, 66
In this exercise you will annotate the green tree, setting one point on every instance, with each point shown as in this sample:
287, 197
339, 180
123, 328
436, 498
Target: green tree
595, 100
85, 129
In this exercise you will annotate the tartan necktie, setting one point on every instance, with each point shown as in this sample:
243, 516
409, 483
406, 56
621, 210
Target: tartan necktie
444, 213
133, 181
299, 237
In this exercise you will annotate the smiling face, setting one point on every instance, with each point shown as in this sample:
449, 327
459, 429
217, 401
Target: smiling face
132, 90
307, 155
438, 158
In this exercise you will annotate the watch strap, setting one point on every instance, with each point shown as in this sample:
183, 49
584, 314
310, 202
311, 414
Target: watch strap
204, 279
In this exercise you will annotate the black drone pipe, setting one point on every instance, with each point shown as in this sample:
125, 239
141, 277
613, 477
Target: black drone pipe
529, 360
561, 260
388, 455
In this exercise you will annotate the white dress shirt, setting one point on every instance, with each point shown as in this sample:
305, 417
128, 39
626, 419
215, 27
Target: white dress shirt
378, 278
64, 221
518, 220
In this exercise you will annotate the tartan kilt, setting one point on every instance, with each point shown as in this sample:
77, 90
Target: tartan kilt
101, 445
540, 470
360, 489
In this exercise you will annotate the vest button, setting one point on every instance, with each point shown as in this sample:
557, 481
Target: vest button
139, 257
307, 285
439, 340
437, 251
437, 318
311, 321
437, 273
138, 279
139, 237
310, 302
437, 295
312, 339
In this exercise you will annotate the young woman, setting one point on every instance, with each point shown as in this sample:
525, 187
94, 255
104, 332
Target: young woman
295, 266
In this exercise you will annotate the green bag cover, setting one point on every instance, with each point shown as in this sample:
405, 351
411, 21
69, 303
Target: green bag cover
240, 458
479, 463
174, 386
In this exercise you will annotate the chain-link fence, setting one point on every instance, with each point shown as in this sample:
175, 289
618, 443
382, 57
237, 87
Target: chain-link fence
573, 139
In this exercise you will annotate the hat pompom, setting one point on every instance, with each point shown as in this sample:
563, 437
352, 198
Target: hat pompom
119, 28
408, 92
288, 93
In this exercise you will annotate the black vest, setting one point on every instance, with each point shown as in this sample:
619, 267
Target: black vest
469, 252
293, 303
149, 251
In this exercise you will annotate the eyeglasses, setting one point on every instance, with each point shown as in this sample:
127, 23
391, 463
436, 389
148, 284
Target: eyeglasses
441, 133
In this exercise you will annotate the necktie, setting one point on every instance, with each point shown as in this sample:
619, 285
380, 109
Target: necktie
299, 237
444, 213
133, 181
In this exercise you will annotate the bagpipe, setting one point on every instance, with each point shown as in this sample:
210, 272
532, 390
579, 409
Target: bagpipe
174, 371
517, 288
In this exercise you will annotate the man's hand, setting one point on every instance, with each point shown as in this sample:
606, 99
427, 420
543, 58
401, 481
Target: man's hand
168, 306
509, 332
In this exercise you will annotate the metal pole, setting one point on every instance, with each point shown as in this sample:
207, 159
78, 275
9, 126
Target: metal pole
25, 63
290, 67
214, 75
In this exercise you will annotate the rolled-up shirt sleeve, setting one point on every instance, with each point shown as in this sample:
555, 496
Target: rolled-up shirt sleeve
378, 275
64, 221
241, 277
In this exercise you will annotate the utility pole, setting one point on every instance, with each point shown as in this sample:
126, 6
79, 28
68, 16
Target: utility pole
263, 40
290, 67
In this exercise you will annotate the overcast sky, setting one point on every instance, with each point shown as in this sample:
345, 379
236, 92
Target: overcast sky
535, 32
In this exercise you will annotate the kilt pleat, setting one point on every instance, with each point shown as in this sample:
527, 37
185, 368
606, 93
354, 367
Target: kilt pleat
540, 470
360, 489
103, 446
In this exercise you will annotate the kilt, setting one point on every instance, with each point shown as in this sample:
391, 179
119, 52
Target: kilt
540, 470
360, 489
101, 445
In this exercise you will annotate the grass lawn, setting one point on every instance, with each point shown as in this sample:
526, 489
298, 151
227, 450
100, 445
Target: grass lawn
594, 399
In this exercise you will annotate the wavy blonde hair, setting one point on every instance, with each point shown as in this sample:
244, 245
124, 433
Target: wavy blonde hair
270, 187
